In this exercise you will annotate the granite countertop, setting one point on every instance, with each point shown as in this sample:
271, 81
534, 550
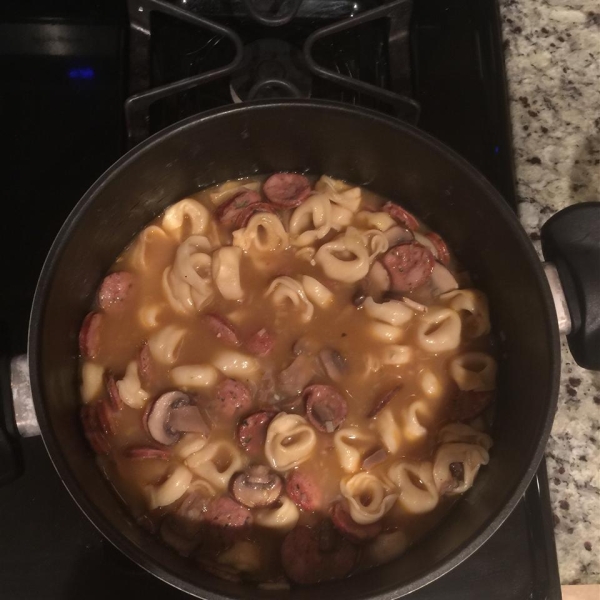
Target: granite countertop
553, 66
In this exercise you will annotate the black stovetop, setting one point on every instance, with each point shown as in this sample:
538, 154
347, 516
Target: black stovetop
64, 74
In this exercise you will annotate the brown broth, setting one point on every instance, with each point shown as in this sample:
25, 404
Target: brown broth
341, 326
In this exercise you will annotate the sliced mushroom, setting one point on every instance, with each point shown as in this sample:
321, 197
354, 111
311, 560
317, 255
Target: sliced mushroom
398, 235
173, 414
257, 486
334, 363
297, 376
442, 280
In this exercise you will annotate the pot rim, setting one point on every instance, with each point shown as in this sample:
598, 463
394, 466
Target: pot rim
114, 535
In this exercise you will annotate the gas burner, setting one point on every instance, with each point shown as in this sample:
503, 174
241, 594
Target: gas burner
271, 68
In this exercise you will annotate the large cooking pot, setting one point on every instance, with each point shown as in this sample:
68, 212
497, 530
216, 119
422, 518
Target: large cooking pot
393, 159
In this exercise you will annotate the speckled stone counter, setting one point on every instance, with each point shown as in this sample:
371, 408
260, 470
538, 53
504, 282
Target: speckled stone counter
553, 64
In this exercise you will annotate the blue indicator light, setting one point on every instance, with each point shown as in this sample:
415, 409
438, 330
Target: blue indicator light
81, 73
496, 149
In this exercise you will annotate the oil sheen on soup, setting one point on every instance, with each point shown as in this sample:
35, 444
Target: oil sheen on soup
287, 380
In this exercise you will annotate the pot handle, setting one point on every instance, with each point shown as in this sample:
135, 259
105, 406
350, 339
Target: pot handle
571, 242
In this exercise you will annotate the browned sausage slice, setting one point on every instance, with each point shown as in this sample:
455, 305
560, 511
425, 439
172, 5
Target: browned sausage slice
146, 452
305, 561
104, 416
222, 329
409, 266
229, 212
350, 529
252, 431
287, 189
261, 343
401, 216
232, 398
227, 514
146, 367
89, 335
303, 491
114, 290
326, 408
443, 254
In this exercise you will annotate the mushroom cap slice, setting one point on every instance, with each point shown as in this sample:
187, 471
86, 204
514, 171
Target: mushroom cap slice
257, 486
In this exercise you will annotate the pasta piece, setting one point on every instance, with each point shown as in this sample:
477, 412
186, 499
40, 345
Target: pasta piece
345, 258
417, 492
431, 384
412, 419
386, 547
311, 221
170, 490
392, 312
316, 292
376, 242
389, 431
92, 380
188, 284
448, 456
189, 444
283, 516
188, 209
350, 445
165, 344
396, 355
384, 332
229, 189
474, 371
308, 254
472, 306
148, 315
188, 377
374, 220
130, 387
290, 441
243, 556
459, 432
340, 217
368, 498
340, 193
226, 272
235, 364
216, 462
145, 240
329, 184
425, 241
264, 232
285, 290
439, 330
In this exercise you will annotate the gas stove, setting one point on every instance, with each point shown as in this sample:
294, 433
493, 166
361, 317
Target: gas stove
83, 81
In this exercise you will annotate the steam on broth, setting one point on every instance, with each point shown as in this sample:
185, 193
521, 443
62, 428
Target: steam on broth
286, 380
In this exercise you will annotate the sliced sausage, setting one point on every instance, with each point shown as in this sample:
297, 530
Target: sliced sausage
252, 431
229, 212
104, 416
469, 404
225, 520
114, 398
146, 452
114, 290
303, 491
222, 329
305, 561
326, 408
443, 254
89, 335
261, 343
382, 402
92, 430
401, 216
409, 266
350, 529
232, 398
287, 189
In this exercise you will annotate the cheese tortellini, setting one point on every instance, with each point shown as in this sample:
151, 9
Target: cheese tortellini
290, 441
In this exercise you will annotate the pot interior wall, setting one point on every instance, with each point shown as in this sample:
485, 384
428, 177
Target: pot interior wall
391, 160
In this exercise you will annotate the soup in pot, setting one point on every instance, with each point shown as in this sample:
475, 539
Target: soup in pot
288, 380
